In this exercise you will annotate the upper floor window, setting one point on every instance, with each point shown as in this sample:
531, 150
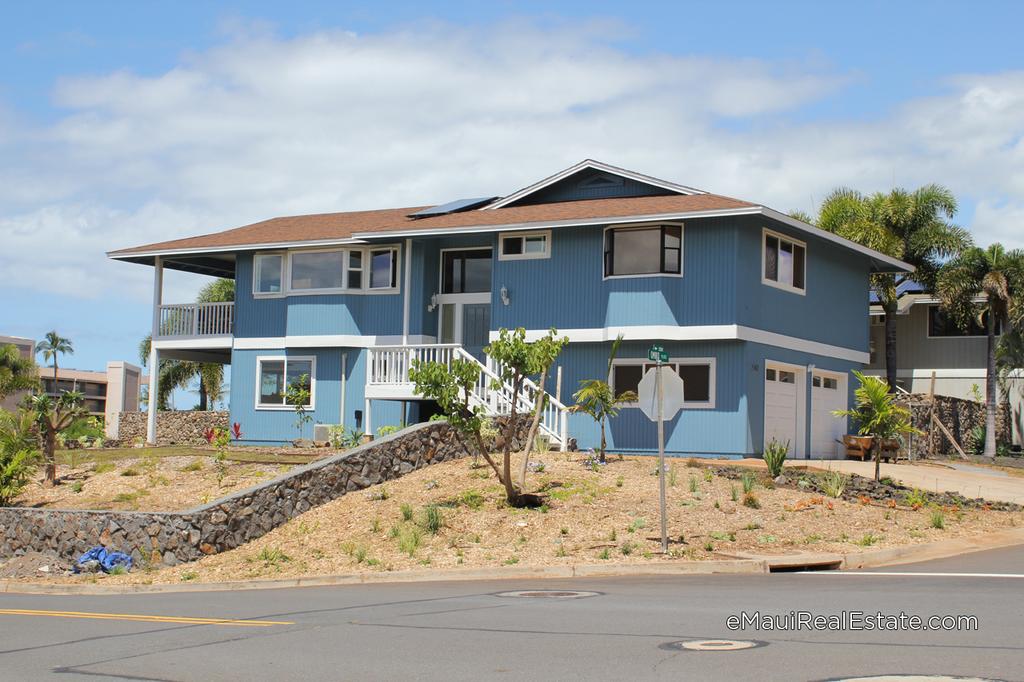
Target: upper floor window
940, 324
524, 245
383, 268
269, 273
649, 250
698, 375
784, 262
466, 271
317, 270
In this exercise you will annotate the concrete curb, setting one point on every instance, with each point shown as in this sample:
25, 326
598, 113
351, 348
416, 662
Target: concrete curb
749, 565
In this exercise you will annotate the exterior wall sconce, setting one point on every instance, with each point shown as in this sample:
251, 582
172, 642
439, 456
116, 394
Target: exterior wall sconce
433, 303
505, 300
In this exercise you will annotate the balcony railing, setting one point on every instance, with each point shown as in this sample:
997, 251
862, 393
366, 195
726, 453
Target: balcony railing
196, 319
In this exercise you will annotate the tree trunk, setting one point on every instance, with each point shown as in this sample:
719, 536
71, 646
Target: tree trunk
49, 455
990, 388
510, 431
202, 396
876, 445
538, 408
890, 347
600, 456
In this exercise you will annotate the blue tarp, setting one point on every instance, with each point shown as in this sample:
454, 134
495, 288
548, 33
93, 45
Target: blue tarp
107, 560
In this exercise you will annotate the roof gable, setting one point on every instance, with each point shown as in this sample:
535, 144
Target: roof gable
591, 179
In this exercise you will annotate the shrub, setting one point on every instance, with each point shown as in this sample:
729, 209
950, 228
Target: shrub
692, 463
749, 481
472, 499
915, 499
387, 430
867, 540
708, 475
194, 465
750, 500
272, 556
938, 519
432, 520
693, 484
409, 538
774, 456
833, 483
406, 511
733, 494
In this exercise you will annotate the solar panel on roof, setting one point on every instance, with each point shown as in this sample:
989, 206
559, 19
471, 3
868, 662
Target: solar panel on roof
452, 207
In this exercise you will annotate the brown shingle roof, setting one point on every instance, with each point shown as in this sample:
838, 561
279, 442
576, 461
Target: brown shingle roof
335, 226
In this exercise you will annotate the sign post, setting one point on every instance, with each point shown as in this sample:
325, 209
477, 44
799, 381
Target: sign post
660, 396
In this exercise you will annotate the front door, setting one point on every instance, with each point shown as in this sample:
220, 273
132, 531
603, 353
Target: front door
464, 315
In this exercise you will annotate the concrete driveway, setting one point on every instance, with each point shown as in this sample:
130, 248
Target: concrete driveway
973, 481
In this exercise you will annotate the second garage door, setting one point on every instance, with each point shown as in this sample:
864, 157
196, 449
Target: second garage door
781, 407
828, 393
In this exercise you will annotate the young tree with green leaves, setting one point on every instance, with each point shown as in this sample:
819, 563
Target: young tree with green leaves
596, 398
517, 360
877, 414
297, 395
912, 226
53, 415
19, 452
987, 286
16, 373
52, 346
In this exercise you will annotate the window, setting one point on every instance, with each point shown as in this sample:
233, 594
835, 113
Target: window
940, 324
656, 250
785, 262
383, 269
466, 271
317, 270
829, 383
524, 246
354, 278
275, 375
697, 375
268, 272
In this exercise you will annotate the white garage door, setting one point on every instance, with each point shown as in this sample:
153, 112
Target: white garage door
780, 407
828, 393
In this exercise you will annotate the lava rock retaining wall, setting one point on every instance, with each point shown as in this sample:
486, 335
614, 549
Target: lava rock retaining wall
173, 537
172, 427
958, 415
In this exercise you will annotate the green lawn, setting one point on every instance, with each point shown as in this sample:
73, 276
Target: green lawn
84, 456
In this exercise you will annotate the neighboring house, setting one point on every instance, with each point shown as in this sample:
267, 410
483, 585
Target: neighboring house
928, 342
104, 394
26, 348
762, 315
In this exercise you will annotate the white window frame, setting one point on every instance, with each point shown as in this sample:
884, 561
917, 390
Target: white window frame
256, 274
643, 226
711, 362
285, 358
765, 233
546, 234
368, 268
286, 275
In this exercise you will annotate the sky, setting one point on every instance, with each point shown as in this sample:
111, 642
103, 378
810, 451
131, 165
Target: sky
128, 123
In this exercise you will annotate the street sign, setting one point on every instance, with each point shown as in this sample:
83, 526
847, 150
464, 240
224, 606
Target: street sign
647, 391
657, 354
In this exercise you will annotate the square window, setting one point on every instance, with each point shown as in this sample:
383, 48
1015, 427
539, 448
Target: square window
784, 262
626, 378
696, 382
643, 251
276, 375
524, 246
816, 382
787, 377
383, 269
769, 375
267, 276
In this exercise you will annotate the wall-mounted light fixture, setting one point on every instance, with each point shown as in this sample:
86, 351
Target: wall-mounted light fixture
504, 296
433, 303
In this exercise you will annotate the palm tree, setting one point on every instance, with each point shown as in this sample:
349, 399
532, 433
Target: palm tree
174, 374
597, 399
911, 226
877, 414
1010, 366
54, 415
986, 285
52, 346
16, 373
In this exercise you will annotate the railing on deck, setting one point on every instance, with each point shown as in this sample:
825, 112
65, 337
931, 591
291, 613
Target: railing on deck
196, 319
389, 366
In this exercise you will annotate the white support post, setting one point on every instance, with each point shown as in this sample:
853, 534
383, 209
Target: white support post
407, 289
367, 424
558, 383
154, 354
344, 386
564, 428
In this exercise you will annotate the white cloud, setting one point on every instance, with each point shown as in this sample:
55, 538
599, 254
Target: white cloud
261, 126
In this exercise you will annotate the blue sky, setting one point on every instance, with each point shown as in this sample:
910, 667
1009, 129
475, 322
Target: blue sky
125, 123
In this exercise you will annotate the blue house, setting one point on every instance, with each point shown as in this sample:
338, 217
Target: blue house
762, 315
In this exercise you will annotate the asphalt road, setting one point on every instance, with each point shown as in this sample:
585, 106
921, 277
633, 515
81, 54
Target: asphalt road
462, 631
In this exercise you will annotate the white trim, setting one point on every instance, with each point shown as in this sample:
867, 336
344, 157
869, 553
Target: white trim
619, 226
791, 288
359, 238
406, 291
326, 341
195, 343
720, 332
364, 277
592, 165
524, 236
711, 362
260, 359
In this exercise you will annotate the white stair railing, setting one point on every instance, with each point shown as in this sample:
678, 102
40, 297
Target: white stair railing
390, 365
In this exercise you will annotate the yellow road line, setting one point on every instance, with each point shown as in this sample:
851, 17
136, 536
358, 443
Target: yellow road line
144, 618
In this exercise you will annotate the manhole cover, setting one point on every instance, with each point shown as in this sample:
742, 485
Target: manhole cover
550, 594
913, 678
713, 645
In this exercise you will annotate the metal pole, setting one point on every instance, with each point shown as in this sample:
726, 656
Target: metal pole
661, 459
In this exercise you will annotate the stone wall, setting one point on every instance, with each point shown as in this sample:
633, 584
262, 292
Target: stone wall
173, 537
958, 415
172, 427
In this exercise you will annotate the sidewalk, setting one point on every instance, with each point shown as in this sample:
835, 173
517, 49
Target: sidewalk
976, 482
